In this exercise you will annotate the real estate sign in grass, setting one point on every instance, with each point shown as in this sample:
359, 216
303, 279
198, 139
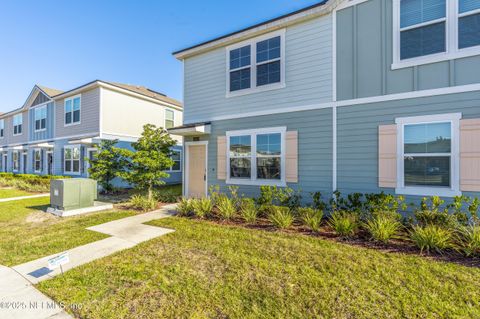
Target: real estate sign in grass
28, 233
209, 270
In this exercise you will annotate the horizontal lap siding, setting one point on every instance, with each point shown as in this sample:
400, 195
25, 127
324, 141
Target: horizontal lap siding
89, 115
308, 63
314, 148
357, 148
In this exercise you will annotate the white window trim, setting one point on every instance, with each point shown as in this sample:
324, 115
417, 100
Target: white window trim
2, 127
171, 170
166, 111
79, 163
20, 115
454, 189
18, 161
64, 111
35, 160
253, 176
253, 65
35, 118
451, 33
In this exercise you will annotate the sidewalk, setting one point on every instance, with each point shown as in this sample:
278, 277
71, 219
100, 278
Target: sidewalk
16, 283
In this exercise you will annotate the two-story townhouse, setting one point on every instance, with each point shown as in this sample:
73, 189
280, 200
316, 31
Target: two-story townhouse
355, 96
55, 132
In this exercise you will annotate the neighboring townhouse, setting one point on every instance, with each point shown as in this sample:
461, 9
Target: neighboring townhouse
356, 96
55, 132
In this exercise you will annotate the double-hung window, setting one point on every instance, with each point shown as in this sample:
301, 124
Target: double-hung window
428, 31
169, 119
256, 157
37, 160
17, 124
256, 64
16, 161
40, 118
428, 155
72, 110
72, 159
177, 159
2, 128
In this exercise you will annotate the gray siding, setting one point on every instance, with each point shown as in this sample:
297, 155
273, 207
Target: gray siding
48, 133
8, 131
364, 57
89, 115
308, 64
314, 148
357, 133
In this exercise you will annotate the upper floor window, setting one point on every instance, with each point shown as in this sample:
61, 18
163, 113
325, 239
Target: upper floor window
17, 124
2, 128
428, 31
256, 157
40, 118
256, 64
72, 110
169, 119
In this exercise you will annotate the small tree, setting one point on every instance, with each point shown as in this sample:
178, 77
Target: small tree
150, 159
107, 164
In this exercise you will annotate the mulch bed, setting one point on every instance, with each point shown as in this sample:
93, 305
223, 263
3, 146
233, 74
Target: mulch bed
400, 245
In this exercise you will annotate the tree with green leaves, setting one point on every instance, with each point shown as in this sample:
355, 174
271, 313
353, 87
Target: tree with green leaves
149, 160
107, 164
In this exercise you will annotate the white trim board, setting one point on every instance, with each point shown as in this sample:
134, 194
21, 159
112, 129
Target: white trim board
360, 101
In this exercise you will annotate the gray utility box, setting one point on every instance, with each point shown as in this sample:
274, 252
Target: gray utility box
72, 193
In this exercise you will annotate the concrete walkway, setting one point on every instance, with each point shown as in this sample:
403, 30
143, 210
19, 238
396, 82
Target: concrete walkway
10, 199
16, 283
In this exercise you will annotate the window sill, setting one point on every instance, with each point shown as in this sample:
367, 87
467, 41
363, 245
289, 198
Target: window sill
38, 131
18, 134
428, 191
72, 173
258, 89
250, 182
71, 124
434, 58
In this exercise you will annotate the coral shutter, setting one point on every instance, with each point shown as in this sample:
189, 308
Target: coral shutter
470, 155
387, 156
221, 157
291, 157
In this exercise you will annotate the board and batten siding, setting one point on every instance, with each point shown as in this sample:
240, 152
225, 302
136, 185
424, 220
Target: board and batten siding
357, 134
126, 115
89, 115
364, 35
314, 148
46, 134
308, 71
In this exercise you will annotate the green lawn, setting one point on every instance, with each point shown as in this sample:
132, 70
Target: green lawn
12, 192
209, 270
28, 233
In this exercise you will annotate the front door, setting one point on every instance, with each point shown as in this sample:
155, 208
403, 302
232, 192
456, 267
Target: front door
24, 163
196, 183
5, 163
50, 163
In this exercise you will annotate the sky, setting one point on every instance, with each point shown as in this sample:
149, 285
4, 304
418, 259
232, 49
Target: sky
64, 44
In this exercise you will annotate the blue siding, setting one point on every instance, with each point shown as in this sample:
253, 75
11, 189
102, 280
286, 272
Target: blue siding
43, 135
314, 147
357, 137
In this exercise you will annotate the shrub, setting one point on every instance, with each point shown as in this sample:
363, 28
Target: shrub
382, 228
430, 214
226, 208
311, 217
280, 216
142, 202
202, 207
470, 240
185, 207
318, 203
248, 210
432, 237
166, 196
344, 224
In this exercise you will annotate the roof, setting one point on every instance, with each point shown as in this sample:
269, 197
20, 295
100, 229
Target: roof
147, 92
319, 4
49, 91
